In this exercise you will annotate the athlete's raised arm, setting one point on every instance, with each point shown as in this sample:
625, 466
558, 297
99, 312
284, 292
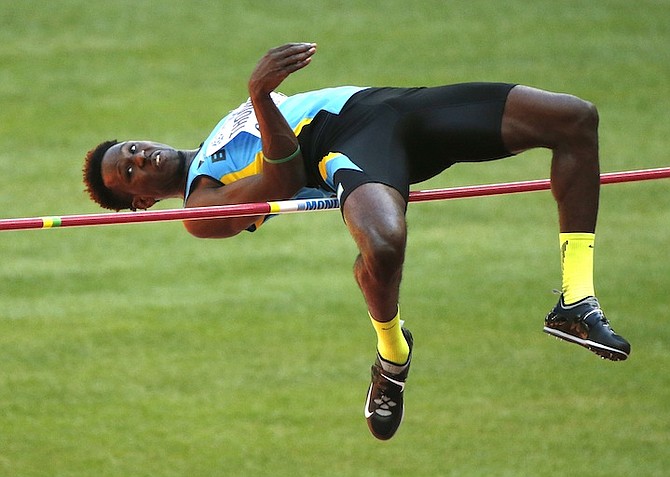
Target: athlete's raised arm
283, 171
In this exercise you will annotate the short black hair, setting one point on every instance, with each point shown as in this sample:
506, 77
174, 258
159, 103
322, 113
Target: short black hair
95, 186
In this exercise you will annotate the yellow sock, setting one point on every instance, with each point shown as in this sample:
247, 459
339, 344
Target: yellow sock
391, 343
577, 266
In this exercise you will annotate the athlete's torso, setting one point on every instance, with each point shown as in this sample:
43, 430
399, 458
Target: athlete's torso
233, 149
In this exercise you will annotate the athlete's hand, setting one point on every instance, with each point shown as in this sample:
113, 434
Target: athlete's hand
277, 64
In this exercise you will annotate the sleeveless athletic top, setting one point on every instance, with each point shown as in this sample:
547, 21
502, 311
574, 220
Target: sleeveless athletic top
233, 149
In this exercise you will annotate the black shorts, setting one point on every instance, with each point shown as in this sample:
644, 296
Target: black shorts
402, 136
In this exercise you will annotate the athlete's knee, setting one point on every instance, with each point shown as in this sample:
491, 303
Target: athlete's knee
574, 123
382, 249
385, 246
583, 119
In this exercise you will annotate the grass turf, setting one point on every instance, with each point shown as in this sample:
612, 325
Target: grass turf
138, 350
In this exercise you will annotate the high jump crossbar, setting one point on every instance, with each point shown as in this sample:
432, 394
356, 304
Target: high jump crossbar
301, 205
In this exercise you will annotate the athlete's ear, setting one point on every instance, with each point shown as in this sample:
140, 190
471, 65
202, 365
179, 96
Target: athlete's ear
142, 202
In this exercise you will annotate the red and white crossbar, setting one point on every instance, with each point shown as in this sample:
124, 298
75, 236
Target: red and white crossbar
301, 205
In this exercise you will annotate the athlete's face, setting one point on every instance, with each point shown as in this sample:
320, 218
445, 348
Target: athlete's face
143, 169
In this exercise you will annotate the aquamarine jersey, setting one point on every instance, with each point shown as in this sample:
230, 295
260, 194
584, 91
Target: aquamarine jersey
233, 149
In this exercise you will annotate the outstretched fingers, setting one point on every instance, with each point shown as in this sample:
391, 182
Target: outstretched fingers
275, 66
294, 56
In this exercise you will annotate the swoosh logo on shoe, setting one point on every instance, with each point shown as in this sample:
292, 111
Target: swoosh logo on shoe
368, 414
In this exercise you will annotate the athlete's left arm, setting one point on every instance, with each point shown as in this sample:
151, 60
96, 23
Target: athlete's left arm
279, 179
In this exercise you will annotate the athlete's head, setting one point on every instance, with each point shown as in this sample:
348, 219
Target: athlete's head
93, 179
133, 174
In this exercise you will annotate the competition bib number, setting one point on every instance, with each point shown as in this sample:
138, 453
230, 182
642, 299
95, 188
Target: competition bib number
242, 119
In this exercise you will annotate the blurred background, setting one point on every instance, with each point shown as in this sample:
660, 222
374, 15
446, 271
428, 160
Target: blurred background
139, 350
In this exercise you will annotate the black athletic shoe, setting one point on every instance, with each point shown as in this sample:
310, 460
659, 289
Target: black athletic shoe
384, 406
584, 323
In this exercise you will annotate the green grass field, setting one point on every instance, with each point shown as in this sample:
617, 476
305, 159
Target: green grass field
141, 351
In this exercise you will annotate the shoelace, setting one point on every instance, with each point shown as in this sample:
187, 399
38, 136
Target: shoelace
384, 403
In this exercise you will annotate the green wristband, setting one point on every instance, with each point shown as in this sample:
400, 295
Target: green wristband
282, 160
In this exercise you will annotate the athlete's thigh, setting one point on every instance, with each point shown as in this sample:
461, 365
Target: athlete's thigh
462, 123
537, 118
